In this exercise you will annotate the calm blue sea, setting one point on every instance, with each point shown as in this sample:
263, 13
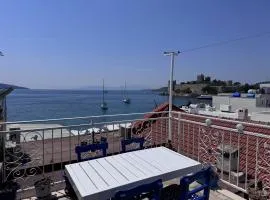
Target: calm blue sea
48, 104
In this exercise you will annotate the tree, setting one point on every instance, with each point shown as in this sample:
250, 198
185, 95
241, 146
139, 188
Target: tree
209, 90
244, 88
214, 81
207, 79
254, 86
187, 90
177, 91
236, 83
220, 83
228, 89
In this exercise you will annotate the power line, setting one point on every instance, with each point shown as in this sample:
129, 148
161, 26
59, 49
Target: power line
227, 42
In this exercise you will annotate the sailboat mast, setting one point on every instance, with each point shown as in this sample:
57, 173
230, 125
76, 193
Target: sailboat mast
103, 92
126, 99
125, 91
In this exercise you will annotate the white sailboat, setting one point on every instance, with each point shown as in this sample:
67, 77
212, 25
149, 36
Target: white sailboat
126, 99
103, 105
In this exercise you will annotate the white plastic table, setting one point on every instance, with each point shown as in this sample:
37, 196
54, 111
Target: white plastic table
102, 178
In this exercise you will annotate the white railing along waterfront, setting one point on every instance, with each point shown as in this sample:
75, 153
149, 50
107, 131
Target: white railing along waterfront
240, 152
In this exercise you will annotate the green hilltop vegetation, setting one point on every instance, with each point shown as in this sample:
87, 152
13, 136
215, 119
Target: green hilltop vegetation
5, 86
207, 86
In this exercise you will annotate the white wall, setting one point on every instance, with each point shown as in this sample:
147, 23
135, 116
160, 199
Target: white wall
236, 103
265, 85
249, 103
262, 117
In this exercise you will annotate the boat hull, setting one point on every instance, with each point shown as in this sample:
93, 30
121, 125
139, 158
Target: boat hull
127, 101
104, 106
205, 97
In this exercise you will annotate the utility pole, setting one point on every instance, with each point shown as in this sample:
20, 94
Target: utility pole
172, 54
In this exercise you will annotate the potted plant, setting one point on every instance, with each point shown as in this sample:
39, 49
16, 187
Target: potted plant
169, 145
43, 188
8, 190
257, 193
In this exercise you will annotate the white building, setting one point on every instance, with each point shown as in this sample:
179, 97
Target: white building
258, 107
265, 87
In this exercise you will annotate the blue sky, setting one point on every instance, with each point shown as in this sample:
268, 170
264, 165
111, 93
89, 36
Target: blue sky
73, 44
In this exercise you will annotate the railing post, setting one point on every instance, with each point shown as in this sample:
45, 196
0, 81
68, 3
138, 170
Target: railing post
3, 127
257, 158
43, 152
178, 128
240, 130
3, 159
170, 127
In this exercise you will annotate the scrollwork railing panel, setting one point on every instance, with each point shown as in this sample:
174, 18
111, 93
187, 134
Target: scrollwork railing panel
23, 157
143, 128
263, 163
209, 140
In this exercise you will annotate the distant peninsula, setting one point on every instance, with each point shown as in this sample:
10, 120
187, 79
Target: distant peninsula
204, 85
5, 86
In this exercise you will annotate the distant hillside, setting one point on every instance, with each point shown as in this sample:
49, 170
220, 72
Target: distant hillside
99, 87
163, 89
4, 86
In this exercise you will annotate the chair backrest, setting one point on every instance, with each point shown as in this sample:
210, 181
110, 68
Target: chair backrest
150, 190
204, 186
91, 148
138, 140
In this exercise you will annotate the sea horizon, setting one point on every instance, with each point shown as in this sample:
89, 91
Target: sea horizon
41, 104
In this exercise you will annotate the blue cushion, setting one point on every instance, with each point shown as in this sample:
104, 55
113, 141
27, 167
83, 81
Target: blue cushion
124, 143
91, 147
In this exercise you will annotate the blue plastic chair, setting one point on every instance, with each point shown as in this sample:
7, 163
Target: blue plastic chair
203, 177
150, 190
124, 143
91, 148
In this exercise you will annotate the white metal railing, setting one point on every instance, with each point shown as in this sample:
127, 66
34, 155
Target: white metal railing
42, 147
241, 157
248, 160
133, 115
